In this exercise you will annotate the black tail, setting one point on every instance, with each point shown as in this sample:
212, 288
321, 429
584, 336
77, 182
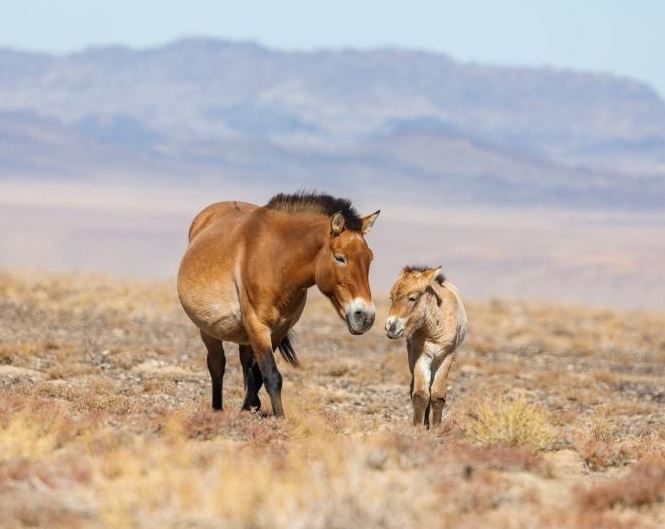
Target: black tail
288, 353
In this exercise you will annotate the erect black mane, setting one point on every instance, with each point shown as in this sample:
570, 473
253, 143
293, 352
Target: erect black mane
303, 202
441, 279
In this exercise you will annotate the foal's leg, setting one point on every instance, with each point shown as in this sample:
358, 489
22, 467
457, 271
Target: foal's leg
412, 356
420, 393
438, 390
252, 378
216, 367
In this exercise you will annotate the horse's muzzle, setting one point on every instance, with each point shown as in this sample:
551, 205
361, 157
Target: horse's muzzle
360, 316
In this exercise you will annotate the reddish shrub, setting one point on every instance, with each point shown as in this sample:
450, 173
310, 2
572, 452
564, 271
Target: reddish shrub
644, 484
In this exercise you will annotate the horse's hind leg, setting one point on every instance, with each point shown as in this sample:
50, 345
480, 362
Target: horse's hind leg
216, 367
252, 378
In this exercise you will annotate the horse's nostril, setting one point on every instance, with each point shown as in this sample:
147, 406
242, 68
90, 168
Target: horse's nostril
358, 314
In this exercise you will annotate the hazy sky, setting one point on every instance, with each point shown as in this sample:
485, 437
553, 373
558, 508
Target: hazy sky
620, 36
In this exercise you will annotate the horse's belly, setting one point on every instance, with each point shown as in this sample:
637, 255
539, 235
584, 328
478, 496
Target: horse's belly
219, 316
225, 323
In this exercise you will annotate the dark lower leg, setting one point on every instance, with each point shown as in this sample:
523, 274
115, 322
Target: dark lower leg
216, 366
253, 383
273, 381
252, 379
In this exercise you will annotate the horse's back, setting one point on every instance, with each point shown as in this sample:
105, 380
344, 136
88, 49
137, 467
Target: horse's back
219, 213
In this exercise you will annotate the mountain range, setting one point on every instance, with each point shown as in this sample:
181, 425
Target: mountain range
203, 111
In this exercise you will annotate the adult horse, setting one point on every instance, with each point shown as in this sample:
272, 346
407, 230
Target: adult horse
245, 274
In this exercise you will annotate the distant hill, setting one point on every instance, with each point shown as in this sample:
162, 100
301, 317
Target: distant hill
203, 109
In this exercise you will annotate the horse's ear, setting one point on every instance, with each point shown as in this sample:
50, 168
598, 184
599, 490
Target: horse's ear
337, 224
369, 221
431, 275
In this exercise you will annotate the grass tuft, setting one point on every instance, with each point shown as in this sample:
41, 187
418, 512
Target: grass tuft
508, 422
29, 436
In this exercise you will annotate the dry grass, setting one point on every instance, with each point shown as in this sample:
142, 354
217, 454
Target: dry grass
105, 420
249, 486
29, 436
511, 422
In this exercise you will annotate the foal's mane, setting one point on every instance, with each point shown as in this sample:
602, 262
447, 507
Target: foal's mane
441, 279
304, 202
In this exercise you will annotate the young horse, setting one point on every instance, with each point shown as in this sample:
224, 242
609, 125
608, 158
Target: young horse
245, 274
428, 310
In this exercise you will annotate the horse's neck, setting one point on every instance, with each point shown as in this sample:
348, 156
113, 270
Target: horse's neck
302, 243
432, 326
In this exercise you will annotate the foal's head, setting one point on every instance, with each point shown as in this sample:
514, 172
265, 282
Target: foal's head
342, 270
407, 311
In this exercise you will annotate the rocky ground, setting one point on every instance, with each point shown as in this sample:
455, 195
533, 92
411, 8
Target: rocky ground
555, 418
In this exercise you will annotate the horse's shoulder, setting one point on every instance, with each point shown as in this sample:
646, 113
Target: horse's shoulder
451, 305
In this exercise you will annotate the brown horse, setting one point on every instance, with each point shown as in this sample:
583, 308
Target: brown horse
245, 274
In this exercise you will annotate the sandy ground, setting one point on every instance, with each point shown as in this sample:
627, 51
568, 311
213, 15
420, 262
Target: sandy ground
555, 418
594, 258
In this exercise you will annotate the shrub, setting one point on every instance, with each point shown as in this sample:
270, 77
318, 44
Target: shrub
508, 422
644, 484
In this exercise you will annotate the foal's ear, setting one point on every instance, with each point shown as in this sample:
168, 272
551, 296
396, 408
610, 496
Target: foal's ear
369, 221
430, 275
337, 223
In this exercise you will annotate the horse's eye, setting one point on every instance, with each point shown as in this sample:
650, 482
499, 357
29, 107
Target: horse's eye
340, 259
413, 297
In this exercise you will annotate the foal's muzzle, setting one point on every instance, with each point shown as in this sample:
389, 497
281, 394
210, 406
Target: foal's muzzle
394, 327
360, 316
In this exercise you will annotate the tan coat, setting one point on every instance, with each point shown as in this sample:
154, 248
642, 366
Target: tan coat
431, 315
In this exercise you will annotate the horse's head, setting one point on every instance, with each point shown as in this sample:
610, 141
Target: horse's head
342, 272
406, 313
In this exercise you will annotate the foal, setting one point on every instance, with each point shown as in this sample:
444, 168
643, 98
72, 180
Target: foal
428, 310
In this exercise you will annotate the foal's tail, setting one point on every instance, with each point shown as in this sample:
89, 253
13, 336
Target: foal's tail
286, 348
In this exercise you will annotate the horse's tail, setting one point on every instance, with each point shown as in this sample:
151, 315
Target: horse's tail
287, 350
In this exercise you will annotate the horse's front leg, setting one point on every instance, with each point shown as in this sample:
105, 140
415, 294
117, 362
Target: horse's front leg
419, 366
272, 378
260, 337
439, 389
420, 393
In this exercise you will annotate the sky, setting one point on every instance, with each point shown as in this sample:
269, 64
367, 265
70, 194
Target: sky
624, 37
